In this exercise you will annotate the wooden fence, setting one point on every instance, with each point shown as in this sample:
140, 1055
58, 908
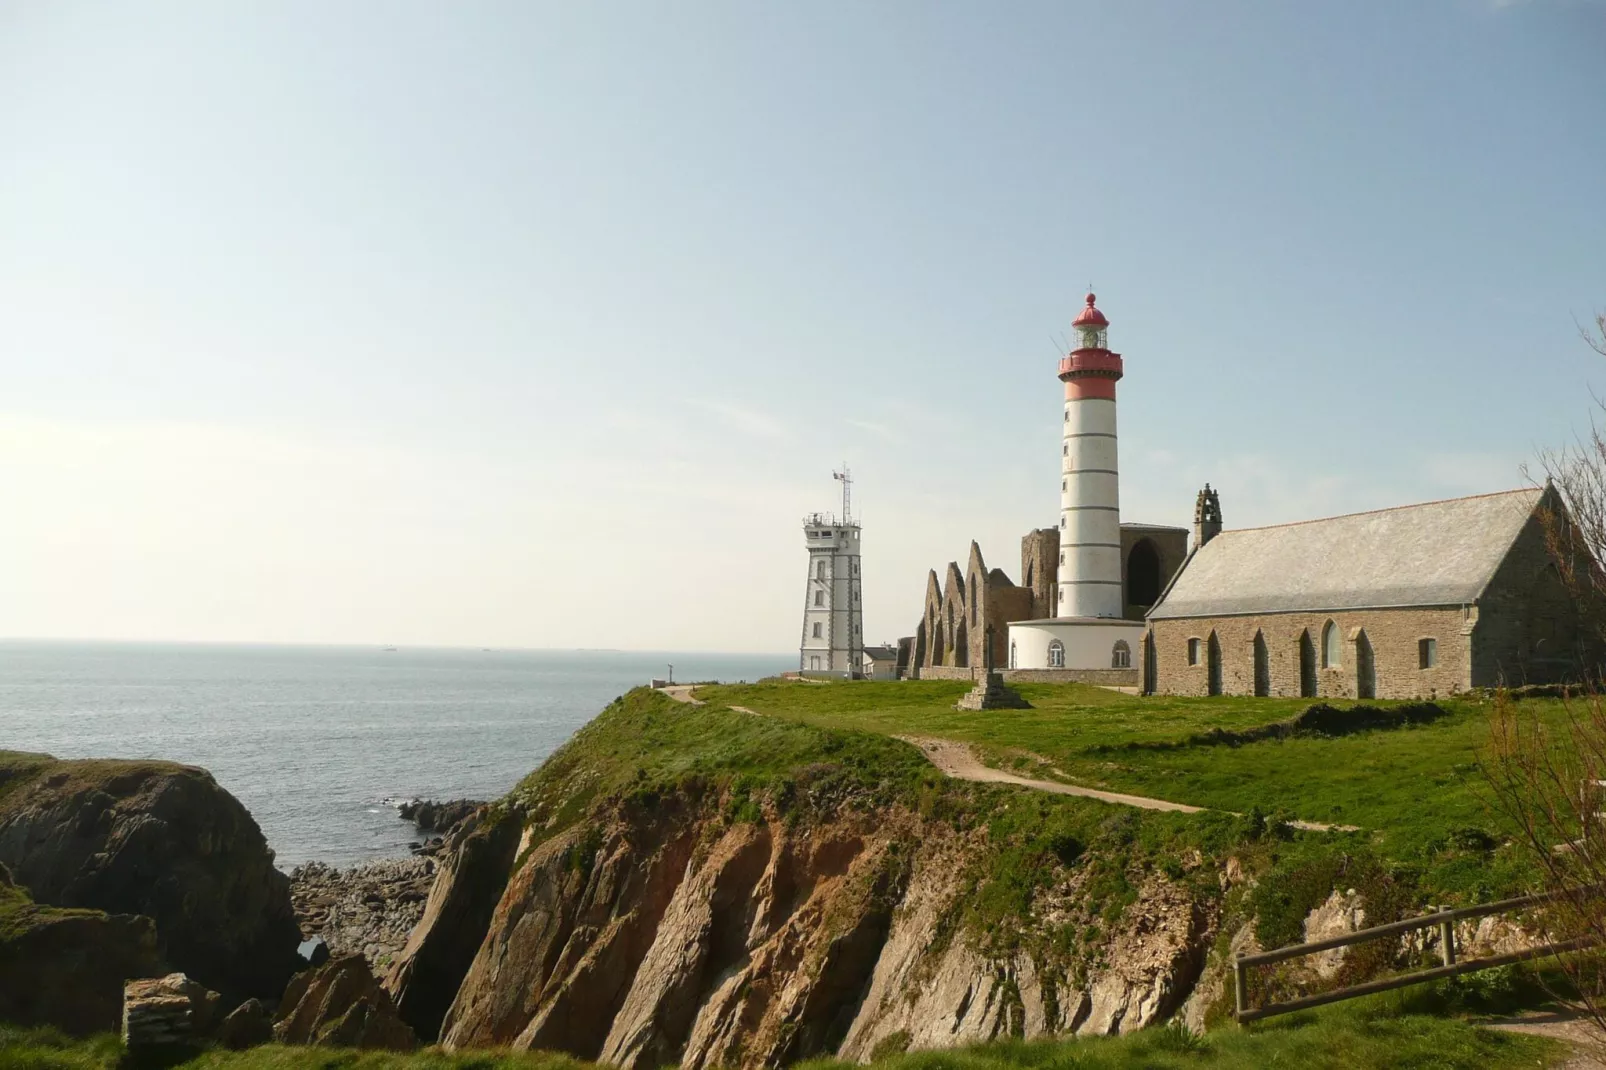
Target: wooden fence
1444, 919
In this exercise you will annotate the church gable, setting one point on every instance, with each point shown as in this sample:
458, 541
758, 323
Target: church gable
1432, 554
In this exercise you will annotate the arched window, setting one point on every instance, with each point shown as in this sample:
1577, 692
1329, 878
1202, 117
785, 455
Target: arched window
1121, 655
971, 597
1307, 666
1332, 655
1143, 574
1193, 651
1012, 655
1056, 654
1262, 666
1213, 670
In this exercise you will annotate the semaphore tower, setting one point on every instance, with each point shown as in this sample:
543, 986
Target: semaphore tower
833, 628
1090, 487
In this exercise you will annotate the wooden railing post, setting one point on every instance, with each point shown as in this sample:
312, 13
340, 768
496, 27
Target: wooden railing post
1447, 938
1240, 984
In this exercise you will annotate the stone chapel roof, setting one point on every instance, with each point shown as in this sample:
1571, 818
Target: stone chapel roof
1431, 554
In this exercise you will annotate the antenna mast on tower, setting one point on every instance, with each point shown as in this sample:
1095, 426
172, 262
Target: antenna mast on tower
846, 478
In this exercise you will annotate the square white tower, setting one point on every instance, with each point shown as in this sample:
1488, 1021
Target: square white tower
833, 626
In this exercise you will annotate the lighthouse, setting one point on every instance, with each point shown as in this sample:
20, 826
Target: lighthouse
1090, 487
1088, 637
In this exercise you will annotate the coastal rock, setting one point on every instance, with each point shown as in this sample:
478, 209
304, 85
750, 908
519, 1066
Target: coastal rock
66, 968
472, 872
158, 839
166, 1012
341, 1005
438, 817
366, 909
246, 1026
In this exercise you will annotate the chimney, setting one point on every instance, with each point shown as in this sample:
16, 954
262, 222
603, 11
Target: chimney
1206, 517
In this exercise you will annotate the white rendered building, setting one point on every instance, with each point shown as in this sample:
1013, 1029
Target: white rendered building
1087, 630
833, 626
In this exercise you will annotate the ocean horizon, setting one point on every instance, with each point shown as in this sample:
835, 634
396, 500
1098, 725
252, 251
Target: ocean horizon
321, 742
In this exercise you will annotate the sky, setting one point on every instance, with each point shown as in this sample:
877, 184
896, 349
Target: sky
543, 324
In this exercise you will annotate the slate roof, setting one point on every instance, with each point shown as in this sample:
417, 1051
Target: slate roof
882, 653
1432, 554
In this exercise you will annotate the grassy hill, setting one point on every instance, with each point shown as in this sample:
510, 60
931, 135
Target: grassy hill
1416, 792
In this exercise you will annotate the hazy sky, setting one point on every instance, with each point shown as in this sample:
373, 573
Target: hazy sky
544, 324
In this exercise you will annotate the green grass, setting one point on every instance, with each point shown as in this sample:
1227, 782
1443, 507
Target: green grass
1417, 792
1384, 1032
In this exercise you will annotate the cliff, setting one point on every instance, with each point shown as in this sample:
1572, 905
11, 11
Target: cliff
160, 840
701, 887
66, 968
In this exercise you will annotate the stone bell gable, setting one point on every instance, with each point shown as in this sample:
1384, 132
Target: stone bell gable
1416, 601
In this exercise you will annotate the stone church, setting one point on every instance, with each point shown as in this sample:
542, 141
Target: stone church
1416, 601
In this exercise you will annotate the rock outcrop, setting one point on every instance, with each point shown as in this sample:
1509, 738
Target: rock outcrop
473, 871
163, 1013
366, 909
670, 935
439, 818
341, 1005
158, 839
66, 968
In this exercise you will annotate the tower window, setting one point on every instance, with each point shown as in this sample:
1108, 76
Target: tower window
1427, 653
1065, 451
819, 571
819, 598
1193, 651
816, 634
1056, 655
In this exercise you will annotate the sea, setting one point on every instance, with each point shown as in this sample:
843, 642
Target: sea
321, 743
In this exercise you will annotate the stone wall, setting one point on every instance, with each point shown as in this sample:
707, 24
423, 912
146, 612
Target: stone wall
1529, 630
1101, 677
1039, 569
1170, 547
1392, 634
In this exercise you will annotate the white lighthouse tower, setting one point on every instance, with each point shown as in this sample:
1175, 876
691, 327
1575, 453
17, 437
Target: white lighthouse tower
1087, 630
833, 628
1090, 484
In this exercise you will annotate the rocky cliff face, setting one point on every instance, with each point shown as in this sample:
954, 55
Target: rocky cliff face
66, 968
158, 839
669, 934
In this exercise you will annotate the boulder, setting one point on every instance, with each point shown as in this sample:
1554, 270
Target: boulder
438, 817
162, 1013
66, 968
158, 839
246, 1026
341, 1005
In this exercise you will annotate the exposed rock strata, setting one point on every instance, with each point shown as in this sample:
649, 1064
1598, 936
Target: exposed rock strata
366, 909
439, 818
339, 1004
158, 839
66, 968
672, 936
473, 871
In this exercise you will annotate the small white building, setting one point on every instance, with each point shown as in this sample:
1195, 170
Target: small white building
879, 662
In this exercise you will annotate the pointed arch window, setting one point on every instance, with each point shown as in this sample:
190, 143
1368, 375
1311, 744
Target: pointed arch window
1056, 654
1332, 650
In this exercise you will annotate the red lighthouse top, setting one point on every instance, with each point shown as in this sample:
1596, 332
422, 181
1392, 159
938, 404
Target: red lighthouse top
1090, 316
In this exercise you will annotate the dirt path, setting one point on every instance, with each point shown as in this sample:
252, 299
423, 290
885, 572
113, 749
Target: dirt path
1573, 1030
957, 760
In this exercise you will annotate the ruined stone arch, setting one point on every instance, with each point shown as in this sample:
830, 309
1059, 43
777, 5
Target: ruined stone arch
1143, 574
